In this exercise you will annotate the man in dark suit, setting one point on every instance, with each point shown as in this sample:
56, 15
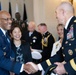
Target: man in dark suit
32, 36
65, 16
7, 62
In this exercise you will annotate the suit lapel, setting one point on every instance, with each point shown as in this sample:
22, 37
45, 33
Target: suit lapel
5, 42
2, 35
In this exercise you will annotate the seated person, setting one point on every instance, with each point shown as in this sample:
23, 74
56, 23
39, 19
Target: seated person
47, 41
32, 36
57, 45
21, 49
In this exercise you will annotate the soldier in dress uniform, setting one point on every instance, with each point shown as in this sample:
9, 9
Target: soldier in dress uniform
33, 37
47, 41
65, 16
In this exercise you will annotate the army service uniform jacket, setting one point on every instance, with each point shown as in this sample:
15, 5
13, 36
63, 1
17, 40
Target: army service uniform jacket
68, 50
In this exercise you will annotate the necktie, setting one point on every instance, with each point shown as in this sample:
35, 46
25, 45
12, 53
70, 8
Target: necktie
7, 37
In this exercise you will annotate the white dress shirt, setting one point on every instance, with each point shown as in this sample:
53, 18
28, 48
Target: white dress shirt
67, 23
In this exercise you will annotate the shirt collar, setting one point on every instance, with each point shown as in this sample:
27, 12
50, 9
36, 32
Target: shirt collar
4, 32
44, 32
67, 23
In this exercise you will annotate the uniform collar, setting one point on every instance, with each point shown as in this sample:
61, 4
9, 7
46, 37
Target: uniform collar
45, 32
67, 23
4, 31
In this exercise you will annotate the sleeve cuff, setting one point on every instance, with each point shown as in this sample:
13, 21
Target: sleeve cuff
21, 70
40, 67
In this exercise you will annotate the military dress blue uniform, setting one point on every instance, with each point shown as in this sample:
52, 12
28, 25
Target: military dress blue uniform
68, 50
6, 57
34, 39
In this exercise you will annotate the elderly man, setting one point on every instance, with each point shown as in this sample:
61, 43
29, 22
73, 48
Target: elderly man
32, 36
7, 62
65, 16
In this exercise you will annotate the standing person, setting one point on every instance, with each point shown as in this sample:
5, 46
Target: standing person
20, 22
65, 16
18, 18
57, 45
21, 48
7, 62
47, 41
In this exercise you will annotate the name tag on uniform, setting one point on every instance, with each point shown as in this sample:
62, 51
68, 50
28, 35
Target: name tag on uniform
70, 33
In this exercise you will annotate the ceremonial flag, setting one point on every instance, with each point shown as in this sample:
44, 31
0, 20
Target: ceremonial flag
24, 13
10, 11
17, 8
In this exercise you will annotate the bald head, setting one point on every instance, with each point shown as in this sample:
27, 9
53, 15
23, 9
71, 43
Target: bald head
5, 20
3, 13
31, 26
64, 12
66, 6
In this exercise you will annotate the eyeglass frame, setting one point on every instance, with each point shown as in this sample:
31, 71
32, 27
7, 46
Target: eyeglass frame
7, 19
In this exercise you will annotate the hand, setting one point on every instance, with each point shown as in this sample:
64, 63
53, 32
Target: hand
30, 68
60, 68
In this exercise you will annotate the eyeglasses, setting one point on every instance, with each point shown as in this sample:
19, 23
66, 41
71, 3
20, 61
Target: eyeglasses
7, 19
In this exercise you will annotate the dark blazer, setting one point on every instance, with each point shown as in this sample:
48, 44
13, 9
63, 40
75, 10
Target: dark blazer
34, 40
68, 50
6, 64
25, 50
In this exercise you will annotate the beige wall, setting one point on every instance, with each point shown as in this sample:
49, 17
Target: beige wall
29, 7
38, 10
